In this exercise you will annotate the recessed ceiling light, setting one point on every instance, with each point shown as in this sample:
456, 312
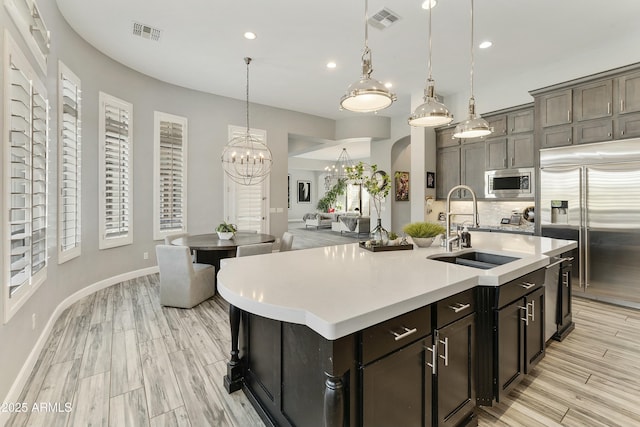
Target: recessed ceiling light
249, 35
485, 44
388, 85
331, 65
428, 4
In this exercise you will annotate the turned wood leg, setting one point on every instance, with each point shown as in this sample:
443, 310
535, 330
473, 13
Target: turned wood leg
333, 402
235, 372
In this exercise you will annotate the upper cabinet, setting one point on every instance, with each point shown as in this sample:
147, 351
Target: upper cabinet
511, 143
591, 109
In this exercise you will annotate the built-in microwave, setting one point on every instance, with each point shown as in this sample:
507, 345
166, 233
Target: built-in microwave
510, 183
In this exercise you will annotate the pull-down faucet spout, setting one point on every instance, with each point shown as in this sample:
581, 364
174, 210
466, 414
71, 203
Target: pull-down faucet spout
448, 239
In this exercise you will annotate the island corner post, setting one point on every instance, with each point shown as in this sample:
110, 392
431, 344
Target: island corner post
290, 374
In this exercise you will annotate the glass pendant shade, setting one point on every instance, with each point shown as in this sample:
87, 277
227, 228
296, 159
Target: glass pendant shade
246, 159
431, 112
367, 94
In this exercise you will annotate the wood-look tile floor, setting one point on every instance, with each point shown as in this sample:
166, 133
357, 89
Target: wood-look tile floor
119, 359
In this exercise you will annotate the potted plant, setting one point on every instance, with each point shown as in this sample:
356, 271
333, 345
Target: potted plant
330, 197
423, 233
225, 230
376, 182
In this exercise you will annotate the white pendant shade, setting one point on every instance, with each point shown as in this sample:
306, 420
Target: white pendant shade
472, 128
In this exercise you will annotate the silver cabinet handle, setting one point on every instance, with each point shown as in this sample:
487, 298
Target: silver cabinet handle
568, 116
621, 104
458, 307
527, 285
446, 351
559, 261
406, 333
608, 108
433, 363
533, 311
525, 319
565, 279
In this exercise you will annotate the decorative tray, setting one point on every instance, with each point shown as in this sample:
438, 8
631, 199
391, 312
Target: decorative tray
386, 248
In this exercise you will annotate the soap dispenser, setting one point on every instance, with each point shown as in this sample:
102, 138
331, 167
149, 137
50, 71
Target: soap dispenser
465, 238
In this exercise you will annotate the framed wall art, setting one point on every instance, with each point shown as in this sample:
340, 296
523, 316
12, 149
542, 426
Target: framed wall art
304, 191
402, 186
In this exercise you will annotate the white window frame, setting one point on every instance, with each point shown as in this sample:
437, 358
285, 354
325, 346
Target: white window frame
111, 102
69, 158
159, 233
231, 187
36, 195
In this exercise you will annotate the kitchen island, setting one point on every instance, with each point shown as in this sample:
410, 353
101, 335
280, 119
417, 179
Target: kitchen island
328, 333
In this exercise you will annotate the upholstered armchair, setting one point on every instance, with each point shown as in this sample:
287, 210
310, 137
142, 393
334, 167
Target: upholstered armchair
183, 284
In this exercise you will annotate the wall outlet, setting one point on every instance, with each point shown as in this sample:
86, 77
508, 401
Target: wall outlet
33, 322
145, 255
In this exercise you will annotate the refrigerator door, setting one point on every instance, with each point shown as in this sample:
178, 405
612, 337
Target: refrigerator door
612, 239
560, 204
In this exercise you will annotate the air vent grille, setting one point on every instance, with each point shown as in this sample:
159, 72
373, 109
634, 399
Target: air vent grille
146, 32
384, 19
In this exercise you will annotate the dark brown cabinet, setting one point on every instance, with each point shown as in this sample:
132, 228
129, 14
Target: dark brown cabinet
396, 390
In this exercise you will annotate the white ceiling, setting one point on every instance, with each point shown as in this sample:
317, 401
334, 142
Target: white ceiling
536, 43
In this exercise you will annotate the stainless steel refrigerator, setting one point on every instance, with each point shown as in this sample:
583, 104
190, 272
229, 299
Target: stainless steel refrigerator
591, 193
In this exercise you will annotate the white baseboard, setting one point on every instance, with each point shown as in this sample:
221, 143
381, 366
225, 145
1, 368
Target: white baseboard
30, 362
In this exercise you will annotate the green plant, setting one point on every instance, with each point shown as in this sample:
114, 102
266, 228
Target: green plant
225, 227
330, 197
392, 235
375, 181
423, 229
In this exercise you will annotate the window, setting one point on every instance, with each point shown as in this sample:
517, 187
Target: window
116, 183
27, 130
170, 177
69, 168
246, 205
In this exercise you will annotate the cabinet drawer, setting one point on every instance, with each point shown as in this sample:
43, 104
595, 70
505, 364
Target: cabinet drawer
395, 333
455, 307
520, 287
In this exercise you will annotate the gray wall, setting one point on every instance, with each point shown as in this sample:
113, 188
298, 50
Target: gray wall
209, 117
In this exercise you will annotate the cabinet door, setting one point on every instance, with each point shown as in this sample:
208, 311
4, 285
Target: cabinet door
455, 388
520, 122
499, 125
564, 315
392, 388
629, 93
496, 154
520, 151
628, 126
556, 136
555, 108
444, 138
534, 334
593, 100
509, 361
447, 171
472, 159
594, 131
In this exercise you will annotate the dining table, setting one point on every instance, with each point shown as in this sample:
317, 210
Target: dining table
210, 249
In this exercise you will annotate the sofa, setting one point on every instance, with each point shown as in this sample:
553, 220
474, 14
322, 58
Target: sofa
352, 224
319, 219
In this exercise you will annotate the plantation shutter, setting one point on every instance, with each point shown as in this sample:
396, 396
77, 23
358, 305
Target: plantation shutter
170, 175
69, 165
116, 151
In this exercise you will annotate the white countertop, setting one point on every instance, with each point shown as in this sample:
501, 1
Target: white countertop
338, 290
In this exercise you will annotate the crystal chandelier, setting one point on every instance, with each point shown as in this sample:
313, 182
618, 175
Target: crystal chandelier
338, 171
246, 159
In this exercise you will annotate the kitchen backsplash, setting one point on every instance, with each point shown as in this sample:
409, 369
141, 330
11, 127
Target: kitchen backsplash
489, 212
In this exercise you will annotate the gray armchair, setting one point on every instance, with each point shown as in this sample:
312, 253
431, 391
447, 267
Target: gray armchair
182, 283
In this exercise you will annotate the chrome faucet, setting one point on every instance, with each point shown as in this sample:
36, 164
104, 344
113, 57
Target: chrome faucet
448, 239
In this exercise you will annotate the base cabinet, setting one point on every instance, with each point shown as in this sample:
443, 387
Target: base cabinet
396, 390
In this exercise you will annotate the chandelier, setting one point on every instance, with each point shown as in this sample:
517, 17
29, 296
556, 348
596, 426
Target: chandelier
338, 171
246, 159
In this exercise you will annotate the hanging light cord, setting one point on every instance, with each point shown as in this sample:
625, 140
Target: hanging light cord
366, 55
472, 62
247, 61
430, 45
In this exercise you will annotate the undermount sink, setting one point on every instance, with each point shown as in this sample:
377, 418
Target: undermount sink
476, 259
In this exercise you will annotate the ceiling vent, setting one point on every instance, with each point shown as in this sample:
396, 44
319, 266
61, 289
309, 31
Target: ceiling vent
146, 32
384, 19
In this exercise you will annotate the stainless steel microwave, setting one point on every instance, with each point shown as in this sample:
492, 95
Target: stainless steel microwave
510, 183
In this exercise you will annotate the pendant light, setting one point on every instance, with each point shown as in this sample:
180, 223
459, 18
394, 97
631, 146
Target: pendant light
246, 159
431, 112
473, 127
338, 171
367, 94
